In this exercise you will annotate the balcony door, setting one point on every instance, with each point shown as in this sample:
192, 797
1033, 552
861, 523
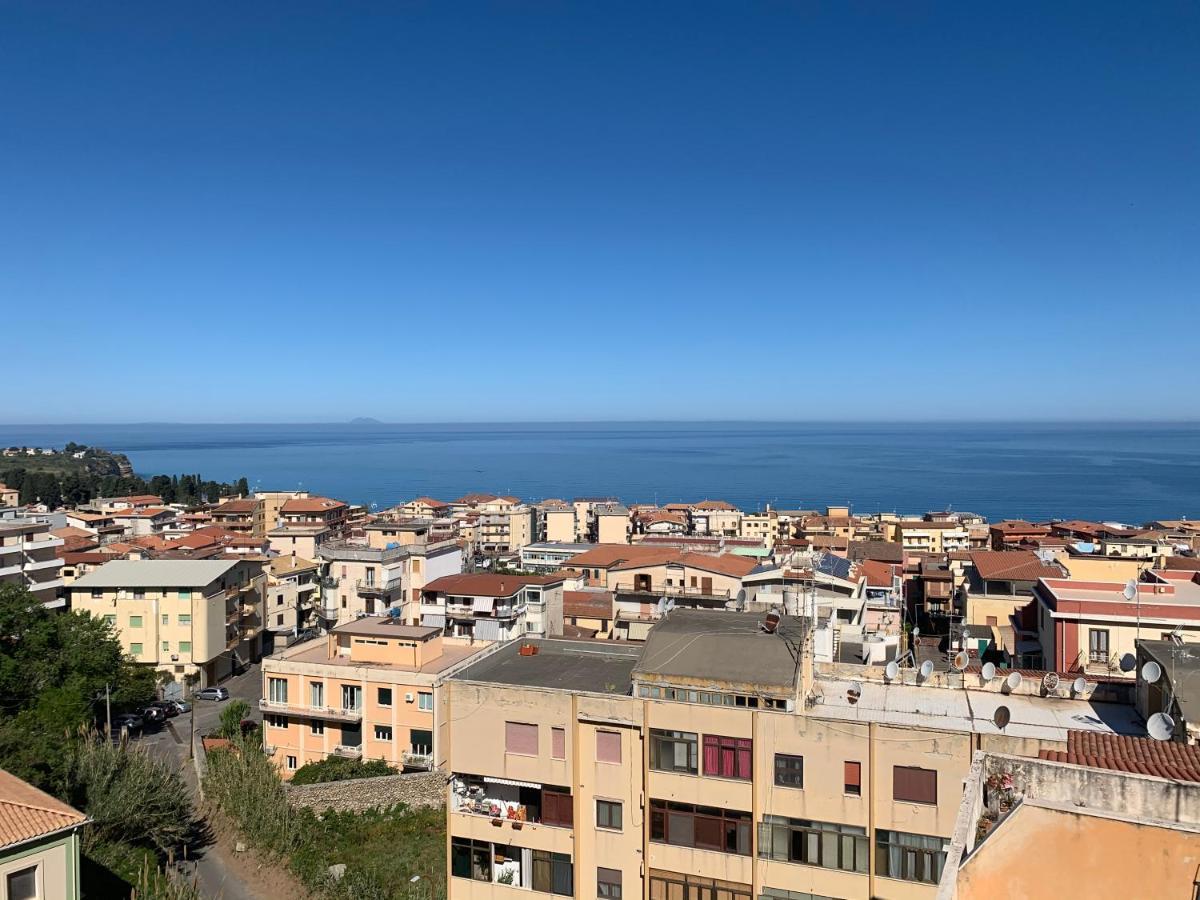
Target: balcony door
351, 736
351, 697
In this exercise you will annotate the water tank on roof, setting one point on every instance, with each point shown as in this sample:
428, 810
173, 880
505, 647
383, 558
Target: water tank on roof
392, 545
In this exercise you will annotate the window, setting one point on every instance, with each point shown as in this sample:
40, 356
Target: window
608, 814
277, 721
185, 618
425, 701
557, 808
135, 621
470, 859
789, 770
166, 645
317, 727
383, 732
185, 646
727, 757
185, 595
673, 751
351, 696
166, 619
317, 692
674, 886
993, 620
139, 595
1098, 645
702, 827
520, 737
135, 649
97, 593
825, 844
853, 778
110, 620
608, 883
22, 884
553, 873
768, 893
914, 785
911, 857
277, 690
385, 696
420, 741
558, 743
608, 746
291, 763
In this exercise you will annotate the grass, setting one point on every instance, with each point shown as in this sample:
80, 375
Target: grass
382, 849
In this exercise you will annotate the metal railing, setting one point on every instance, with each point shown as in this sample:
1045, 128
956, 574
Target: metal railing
671, 590
341, 714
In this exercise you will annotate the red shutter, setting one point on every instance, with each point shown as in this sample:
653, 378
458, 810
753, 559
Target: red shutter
608, 746
520, 738
558, 743
911, 784
711, 755
853, 777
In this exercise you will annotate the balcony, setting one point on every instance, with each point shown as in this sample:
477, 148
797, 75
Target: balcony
506, 799
231, 643
45, 544
413, 760
6, 549
348, 752
329, 713
52, 584
375, 588
233, 616
39, 565
649, 589
10, 570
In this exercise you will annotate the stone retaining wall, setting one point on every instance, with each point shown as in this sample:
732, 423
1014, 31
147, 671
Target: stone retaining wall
420, 789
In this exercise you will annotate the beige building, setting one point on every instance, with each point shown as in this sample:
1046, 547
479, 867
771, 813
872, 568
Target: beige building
760, 526
184, 617
293, 596
612, 525
28, 557
39, 843
365, 580
241, 516
9, 496
494, 607
366, 690
558, 523
272, 503
932, 537
716, 517
314, 512
716, 761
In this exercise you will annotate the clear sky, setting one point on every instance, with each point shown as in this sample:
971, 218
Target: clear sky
553, 210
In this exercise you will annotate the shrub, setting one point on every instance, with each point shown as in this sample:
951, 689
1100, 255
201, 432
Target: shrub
338, 768
231, 718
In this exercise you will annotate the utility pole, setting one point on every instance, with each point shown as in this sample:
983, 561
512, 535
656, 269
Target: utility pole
108, 710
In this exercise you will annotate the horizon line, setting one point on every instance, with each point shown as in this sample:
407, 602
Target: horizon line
639, 421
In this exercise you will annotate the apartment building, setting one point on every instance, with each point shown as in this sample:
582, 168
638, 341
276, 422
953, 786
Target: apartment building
550, 556
717, 761
137, 501
1086, 626
39, 843
141, 521
494, 607
424, 508
314, 512
186, 618
716, 517
28, 557
365, 580
9, 496
556, 522
244, 515
932, 537
1000, 583
760, 526
293, 596
366, 690
1012, 534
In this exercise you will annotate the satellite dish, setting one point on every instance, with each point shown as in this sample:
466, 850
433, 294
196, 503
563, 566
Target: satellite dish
1128, 663
1079, 685
989, 671
1050, 682
854, 692
1001, 717
741, 598
1151, 672
771, 622
891, 670
926, 669
1161, 727
966, 636
1013, 681
916, 632
961, 658
1131, 590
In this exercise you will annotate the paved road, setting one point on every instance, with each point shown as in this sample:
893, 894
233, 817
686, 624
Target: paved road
215, 876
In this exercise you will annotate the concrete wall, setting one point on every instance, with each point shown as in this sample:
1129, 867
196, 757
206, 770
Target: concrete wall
423, 789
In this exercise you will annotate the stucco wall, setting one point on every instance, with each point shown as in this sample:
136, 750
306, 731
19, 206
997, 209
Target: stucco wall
420, 790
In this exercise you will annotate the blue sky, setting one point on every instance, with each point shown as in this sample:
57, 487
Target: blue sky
541, 211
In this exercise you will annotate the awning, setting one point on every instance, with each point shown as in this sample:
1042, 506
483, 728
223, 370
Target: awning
433, 620
512, 782
1029, 646
483, 604
1005, 636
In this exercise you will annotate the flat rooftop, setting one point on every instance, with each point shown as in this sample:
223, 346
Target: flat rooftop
719, 646
155, 573
386, 626
566, 665
316, 652
563, 546
949, 709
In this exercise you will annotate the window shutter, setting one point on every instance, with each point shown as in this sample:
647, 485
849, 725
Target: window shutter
914, 785
854, 775
558, 743
745, 758
608, 746
712, 749
520, 738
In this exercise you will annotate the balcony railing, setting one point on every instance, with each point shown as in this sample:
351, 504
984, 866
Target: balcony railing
414, 760
672, 590
10, 548
44, 544
52, 584
332, 713
232, 642
363, 586
43, 564
347, 751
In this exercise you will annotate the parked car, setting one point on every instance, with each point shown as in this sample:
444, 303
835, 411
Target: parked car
181, 706
212, 693
152, 715
130, 722
167, 706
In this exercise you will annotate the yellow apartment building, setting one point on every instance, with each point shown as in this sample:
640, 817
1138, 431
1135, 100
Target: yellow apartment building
184, 617
718, 762
366, 690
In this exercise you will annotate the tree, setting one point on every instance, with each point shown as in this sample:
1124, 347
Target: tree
338, 768
242, 488
231, 718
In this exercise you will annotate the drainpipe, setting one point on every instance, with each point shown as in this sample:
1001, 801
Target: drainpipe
871, 844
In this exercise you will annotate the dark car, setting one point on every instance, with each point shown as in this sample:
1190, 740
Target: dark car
128, 722
170, 710
152, 715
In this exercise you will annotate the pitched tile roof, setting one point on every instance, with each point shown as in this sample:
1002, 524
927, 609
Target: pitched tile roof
883, 551
1144, 756
486, 584
236, 507
1012, 565
27, 813
716, 504
589, 604
310, 505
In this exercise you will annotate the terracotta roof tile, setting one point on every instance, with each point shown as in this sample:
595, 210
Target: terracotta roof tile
1142, 756
27, 813
486, 584
1012, 565
589, 604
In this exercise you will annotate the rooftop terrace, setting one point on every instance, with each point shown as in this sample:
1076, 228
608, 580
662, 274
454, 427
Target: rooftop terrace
604, 668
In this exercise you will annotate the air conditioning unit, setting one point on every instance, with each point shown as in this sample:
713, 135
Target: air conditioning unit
409, 698
174, 657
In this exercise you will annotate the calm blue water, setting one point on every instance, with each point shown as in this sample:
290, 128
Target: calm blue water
1124, 472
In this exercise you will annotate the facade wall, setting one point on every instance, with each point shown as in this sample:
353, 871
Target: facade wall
57, 863
560, 525
612, 529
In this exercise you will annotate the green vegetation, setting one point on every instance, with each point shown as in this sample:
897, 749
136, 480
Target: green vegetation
381, 849
54, 669
78, 486
338, 768
231, 718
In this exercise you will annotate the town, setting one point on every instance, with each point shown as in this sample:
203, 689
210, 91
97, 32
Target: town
608, 699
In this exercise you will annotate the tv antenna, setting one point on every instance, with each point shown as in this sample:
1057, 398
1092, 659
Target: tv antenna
1050, 682
1128, 663
1079, 686
1151, 672
1132, 594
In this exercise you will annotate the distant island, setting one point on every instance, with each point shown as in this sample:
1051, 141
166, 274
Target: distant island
365, 420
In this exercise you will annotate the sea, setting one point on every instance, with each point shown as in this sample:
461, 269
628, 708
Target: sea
1114, 472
